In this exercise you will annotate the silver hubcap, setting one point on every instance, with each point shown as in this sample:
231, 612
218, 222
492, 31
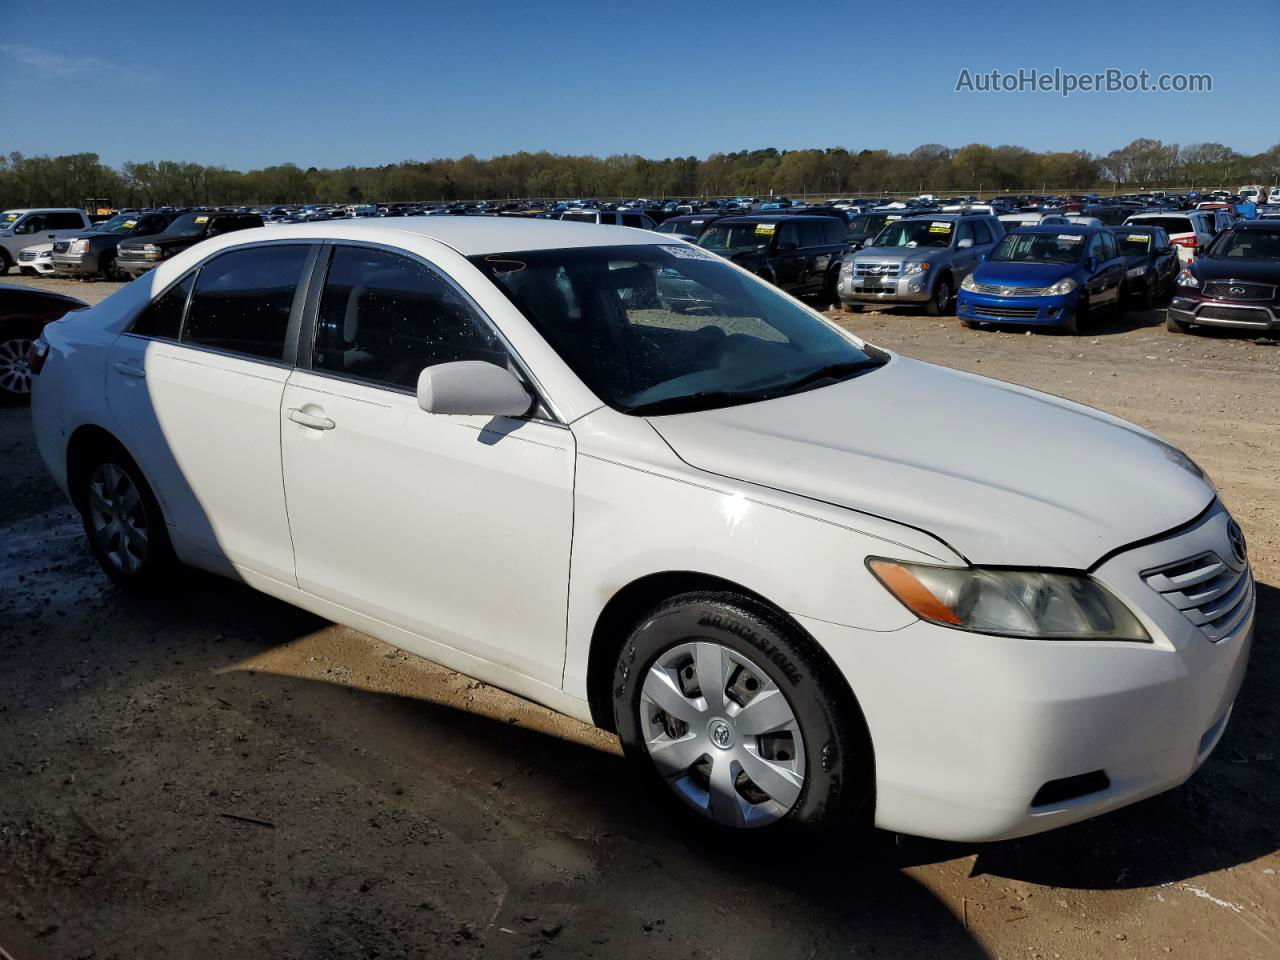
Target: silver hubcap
117, 518
15, 375
722, 734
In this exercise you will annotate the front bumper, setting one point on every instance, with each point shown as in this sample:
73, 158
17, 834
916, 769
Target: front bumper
914, 288
968, 729
137, 268
1020, 311
73, 265
1249, 315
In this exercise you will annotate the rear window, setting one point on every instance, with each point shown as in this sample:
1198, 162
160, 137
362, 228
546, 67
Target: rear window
1169, 224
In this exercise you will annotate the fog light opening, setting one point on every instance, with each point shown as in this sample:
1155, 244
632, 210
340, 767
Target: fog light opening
1070, 788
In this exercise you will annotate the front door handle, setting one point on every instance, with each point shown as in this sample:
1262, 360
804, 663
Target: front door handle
310, 419
129, 370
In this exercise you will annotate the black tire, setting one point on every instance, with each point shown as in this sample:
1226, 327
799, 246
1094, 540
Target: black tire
129, 565
1074, 322
838, 782
1176, 326
6, 261
940, 301
968, 324
1149, 295
852, 307
108, 269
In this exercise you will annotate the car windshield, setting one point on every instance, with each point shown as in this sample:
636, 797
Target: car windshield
9, 219
191, 225
735, 237
1247, 245
915, 233
655, 329
680, 229
1132, 244
866, 225
1039, 248
118, 224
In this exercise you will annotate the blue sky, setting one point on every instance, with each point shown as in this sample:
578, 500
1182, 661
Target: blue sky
248, 84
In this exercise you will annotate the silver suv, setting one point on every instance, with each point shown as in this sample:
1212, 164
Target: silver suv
920, 259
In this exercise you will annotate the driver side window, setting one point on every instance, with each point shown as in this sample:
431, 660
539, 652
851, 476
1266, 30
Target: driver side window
384, 318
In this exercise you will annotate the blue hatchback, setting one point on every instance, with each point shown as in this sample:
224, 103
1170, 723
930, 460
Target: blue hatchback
1053, 276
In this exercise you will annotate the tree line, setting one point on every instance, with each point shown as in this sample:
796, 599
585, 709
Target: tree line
72, 179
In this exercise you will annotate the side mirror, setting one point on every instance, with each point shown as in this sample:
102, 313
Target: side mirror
982, 258
23, 228
964, 244
1093, 264
472, 388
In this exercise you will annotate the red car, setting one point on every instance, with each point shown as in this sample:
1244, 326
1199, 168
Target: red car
24, 311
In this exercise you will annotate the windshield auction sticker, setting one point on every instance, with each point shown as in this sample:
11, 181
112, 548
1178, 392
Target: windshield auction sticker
688, 253
940, 226
766, 227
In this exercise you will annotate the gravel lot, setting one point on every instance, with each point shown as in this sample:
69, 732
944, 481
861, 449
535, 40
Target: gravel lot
217, 773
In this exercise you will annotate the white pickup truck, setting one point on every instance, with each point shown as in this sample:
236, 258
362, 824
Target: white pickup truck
24, 228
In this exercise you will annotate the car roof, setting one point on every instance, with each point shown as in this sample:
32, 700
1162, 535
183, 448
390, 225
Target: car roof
1072, 228
1252, 225
776, 217
43, 210
469, 236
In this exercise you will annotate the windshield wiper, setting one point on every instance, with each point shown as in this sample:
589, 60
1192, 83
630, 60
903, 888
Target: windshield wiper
832, 371
690, 402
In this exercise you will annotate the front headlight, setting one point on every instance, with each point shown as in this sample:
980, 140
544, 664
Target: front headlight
968, 283
1065, 285
78, 246
846, 268
1010, 603
914, 266
1188, 279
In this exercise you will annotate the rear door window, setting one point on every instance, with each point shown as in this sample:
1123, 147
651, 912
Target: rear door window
811, 234
243, 299
65, 221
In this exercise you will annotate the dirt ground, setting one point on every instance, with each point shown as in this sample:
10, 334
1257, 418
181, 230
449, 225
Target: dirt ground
218, 774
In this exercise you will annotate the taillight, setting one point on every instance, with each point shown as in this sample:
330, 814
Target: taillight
1191, 243
37, 355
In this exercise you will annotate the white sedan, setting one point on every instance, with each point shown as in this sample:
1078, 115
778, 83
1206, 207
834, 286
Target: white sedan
803, 578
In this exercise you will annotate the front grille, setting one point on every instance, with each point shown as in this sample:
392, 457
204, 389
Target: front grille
1235, 314
996, 290
876, 269
1239, 290
1016, 313
26, 256
61, 246
1210, 593
123, 254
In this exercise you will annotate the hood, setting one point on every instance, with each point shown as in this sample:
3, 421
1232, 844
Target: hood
1237, 268
1005, 274
893, 254
1004, 475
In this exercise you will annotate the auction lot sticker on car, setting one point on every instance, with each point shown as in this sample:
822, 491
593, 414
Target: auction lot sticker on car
1138, 238
130, 223
766, 228
940, 226
688, 253
1070, 237
202, 220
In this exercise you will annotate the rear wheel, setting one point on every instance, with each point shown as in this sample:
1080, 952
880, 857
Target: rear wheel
1175, 326
15, 375
6, 261
122, 520
737, 718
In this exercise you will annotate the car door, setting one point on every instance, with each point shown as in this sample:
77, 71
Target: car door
1110, 266
454, 528
787, 259
965, 251
194, 387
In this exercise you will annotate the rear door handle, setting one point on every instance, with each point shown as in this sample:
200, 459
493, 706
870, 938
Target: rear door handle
129, 370
310, 420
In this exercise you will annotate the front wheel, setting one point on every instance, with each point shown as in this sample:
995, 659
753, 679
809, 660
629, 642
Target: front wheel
109, 269
941, 298
737, 717
123, 521
1176, 326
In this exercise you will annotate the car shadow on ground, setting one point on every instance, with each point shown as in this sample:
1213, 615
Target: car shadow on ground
798, 895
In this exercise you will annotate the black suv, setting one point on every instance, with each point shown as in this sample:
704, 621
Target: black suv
797, 253
93, 252
136, 256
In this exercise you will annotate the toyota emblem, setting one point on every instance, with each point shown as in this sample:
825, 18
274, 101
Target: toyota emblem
1238, 545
